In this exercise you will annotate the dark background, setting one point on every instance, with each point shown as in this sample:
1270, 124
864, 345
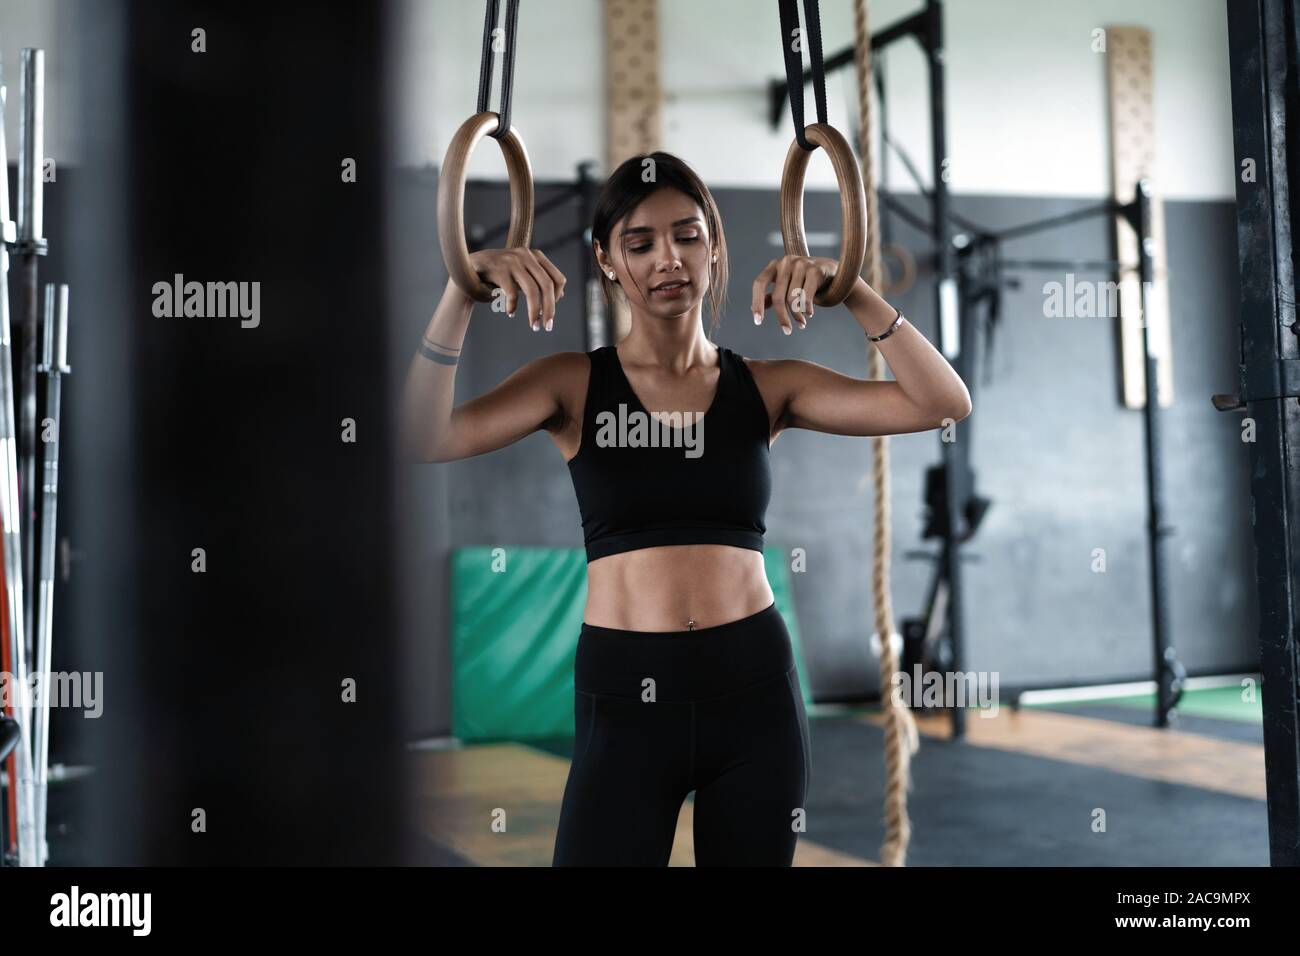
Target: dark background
223, 690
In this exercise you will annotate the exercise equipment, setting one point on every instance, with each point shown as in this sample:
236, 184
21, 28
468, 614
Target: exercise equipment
12, 619
983, 277
54, 365
970, 275
29, 530
902, 283
808, 138
1143, 323
1262, 49
902, 739
10, 734
898, 279
30, 246
581, 193
451, 181
633, 125
634, 95
861, 244
926, 28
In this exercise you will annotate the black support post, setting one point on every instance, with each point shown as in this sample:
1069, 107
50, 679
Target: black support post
947, 311
1262, 43
1168, 672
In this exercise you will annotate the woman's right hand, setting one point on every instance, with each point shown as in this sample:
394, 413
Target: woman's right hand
517, 270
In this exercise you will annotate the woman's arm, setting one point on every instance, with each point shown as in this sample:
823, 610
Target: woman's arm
927, 392
431, 428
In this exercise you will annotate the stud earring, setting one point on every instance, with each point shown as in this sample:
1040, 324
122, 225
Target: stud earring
610, 273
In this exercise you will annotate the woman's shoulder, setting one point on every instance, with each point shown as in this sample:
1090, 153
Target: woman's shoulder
776, 379
761, 368
559, 363
563, 374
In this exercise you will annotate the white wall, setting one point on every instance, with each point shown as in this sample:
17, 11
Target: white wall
1026, 94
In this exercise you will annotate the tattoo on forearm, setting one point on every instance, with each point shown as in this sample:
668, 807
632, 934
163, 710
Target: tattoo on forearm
448, 357
447, 349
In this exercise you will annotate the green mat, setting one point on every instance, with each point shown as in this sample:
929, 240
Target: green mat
516, 615
1223, 703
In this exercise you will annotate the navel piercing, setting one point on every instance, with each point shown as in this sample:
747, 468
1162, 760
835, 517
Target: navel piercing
690, 625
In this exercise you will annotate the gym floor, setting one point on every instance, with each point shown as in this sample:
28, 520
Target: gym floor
1023, 788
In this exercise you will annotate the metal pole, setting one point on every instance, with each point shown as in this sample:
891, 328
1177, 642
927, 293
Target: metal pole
31, 244
1169, 683
54, 365
1262, 51
9, 519
594, 312
947, 310
31, 146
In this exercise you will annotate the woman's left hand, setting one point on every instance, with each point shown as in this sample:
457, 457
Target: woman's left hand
795, 281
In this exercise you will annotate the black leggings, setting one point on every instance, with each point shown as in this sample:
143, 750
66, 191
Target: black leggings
658, 714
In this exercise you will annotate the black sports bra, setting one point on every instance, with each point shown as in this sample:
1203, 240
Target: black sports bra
690, 478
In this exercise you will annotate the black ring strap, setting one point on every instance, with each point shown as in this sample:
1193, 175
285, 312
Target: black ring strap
487, 63
794, 62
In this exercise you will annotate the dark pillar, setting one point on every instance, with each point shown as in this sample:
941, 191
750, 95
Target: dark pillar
1262, 42
223, 690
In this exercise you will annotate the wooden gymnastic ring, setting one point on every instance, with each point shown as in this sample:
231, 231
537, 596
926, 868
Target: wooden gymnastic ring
853, 208
451, 200
905, 259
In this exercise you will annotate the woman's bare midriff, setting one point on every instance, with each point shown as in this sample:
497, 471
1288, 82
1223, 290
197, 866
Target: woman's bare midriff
665, 588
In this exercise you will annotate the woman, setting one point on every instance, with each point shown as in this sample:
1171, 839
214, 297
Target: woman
684, 675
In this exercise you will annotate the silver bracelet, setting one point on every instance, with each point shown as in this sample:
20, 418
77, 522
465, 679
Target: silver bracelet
889, 331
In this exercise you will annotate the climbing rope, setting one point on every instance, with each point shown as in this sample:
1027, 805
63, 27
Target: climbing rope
901, 736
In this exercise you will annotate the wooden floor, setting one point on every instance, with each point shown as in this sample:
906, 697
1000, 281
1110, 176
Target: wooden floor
1174, 756
497, 805
1031, 775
